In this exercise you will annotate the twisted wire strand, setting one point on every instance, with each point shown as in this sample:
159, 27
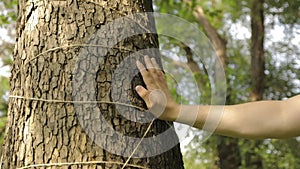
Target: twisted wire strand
90, 102
76, 102
137, 146
81, 163
90, 162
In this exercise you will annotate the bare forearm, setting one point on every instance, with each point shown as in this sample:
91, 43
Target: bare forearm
219, 119
264, 119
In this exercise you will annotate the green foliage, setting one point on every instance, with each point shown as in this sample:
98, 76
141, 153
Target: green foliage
3, 105
8, 16
282, 73
3, 121
200, 157
286, 10
9, 4
238, 81
281, 154
176, 7
172, 48
3, 93
8, 13
236, 9
4, 20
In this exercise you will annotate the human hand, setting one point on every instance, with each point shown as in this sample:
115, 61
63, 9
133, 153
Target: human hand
156, 94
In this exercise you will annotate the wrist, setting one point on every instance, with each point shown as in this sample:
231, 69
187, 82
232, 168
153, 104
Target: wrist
187, 114
171, 112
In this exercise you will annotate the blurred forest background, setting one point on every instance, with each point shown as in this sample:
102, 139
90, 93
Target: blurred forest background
229, 25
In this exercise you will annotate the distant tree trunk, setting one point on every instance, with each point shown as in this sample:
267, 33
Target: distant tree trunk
49, 130
253, 160
257, 50
228, 149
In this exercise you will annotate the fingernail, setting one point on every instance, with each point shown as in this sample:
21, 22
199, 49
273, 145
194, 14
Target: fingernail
138, 88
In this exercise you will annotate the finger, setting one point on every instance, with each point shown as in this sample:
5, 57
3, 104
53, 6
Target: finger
143, 71
155, 64
145, 74
148, 63
157, 68
143, 93
140, 66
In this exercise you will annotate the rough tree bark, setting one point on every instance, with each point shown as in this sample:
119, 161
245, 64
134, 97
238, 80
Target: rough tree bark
48, 130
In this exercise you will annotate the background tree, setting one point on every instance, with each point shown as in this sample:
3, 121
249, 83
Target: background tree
252, 158
227, 148
232, 20
42, 124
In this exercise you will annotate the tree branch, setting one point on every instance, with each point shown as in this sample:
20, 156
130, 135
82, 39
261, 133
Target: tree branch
218, 42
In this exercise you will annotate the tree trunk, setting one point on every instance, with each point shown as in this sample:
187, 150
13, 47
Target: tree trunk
227, 148
69, 54
257, 50
254, 160
228, 152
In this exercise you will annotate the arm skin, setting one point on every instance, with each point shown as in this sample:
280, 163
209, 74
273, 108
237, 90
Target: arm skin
255, 120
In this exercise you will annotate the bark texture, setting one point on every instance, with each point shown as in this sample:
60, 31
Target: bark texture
48, 58
257, 50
